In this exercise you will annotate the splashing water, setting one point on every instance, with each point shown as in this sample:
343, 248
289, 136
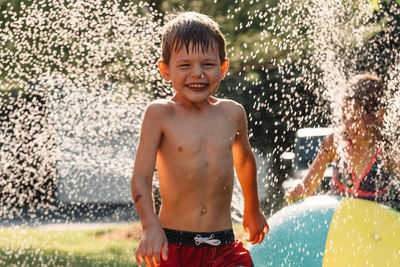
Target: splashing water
328, 43
75, 78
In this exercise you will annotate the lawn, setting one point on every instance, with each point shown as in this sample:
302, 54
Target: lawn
44, 247
108, 246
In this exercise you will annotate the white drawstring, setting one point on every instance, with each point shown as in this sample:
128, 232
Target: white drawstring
207, 240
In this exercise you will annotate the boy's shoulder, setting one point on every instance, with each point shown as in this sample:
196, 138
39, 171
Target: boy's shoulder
230, 104
233, 107
158, 109
159, 105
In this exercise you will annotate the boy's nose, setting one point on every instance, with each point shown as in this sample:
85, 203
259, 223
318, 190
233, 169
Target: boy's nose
198, 72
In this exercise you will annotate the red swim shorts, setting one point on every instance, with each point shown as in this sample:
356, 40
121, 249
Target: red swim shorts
207, 250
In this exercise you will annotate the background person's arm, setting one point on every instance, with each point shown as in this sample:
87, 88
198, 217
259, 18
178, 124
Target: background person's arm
315, 173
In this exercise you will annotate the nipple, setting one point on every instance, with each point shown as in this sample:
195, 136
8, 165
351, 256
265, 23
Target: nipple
203, 211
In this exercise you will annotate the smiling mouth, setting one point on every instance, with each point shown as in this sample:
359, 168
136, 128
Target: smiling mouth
197, 86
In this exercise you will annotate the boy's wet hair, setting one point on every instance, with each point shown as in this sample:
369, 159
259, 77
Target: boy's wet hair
368, 91
195, 28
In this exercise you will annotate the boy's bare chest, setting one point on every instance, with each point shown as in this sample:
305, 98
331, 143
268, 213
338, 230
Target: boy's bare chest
214, 133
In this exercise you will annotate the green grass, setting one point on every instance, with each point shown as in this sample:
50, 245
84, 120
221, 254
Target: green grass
37, 247
45, 247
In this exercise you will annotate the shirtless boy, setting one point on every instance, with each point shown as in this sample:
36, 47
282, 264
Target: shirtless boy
196, 141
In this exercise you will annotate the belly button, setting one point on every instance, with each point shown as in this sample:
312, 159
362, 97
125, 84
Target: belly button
203, 211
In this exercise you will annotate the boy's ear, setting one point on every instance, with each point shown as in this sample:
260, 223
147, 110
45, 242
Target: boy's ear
224, 67
163, 67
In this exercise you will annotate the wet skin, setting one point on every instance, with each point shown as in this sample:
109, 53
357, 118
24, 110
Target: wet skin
196, 141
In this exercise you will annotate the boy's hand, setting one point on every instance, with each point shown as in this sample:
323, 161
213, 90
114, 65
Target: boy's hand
256, 226
153, 244
295, 194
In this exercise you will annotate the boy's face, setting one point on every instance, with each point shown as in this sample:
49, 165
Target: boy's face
194, 75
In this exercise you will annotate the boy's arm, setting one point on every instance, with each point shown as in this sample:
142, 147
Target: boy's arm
315, 173
244, 161
154, 239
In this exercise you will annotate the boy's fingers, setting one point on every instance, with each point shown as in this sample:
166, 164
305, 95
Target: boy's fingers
138, 257
154, 257
139, 260
247, 237
146, 261
266, 229
147, 258
261, 237
156, 254
155, 261
255, 239
247, 230
164, 251
251, 238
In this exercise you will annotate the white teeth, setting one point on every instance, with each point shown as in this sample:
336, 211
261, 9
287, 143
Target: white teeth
197, 85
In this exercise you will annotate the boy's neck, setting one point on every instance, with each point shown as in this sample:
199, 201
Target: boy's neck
194, 105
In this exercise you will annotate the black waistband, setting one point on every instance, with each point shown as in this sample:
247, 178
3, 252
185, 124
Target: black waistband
199, 239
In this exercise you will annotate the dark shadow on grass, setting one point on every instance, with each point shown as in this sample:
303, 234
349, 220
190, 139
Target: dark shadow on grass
68, 213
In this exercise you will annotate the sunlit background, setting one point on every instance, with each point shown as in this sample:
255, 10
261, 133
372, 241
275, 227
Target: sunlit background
75, 77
